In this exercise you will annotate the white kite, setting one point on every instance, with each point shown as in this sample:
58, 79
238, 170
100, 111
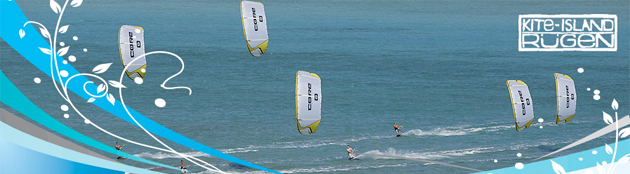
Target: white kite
566, 98
131, 42
255, 27
522, 104
308, 101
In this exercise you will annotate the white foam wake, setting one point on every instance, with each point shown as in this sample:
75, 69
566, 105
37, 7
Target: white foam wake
239, 150
437, 132
425, 155
339, 168
453, 131
302, 144
318, 169
161, 155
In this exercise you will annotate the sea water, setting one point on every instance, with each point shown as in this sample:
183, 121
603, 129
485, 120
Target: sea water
437, 67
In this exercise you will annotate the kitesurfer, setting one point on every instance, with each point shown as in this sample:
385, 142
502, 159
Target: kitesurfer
118, 147
350, 152
397, 129
183, 167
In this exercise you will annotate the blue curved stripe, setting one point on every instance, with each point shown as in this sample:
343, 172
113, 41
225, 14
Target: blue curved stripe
21, 152
12, 97
12, 19
573, 162
17, 159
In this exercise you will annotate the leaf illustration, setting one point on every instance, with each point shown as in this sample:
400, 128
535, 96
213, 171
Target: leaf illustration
22, 33
45, 50
63, 51
624, 159
91, 100
55, 6
608, 149
600, 169
101, 68
110, 98
624, 133
100, 88
116, 84
557, 168
76, 3
607, 118
614, 104
45, 32
63, 29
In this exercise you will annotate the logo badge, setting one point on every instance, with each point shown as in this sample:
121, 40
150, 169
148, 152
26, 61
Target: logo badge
567, 32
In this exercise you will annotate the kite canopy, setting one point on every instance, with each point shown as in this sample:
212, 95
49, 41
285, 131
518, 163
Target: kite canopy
255, 27
131, 42
522, 104
566, 98
308, 101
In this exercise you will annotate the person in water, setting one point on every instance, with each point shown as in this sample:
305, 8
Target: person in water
397, 129
183, 167
350, 152
118, 147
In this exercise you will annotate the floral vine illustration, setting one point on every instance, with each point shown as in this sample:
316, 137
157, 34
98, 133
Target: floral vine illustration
624, 133
53, 43
103, 87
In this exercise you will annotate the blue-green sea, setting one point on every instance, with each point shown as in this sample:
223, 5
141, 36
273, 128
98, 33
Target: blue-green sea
437, 67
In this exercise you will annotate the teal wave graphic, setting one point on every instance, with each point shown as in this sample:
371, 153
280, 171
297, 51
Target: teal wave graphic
12, 20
